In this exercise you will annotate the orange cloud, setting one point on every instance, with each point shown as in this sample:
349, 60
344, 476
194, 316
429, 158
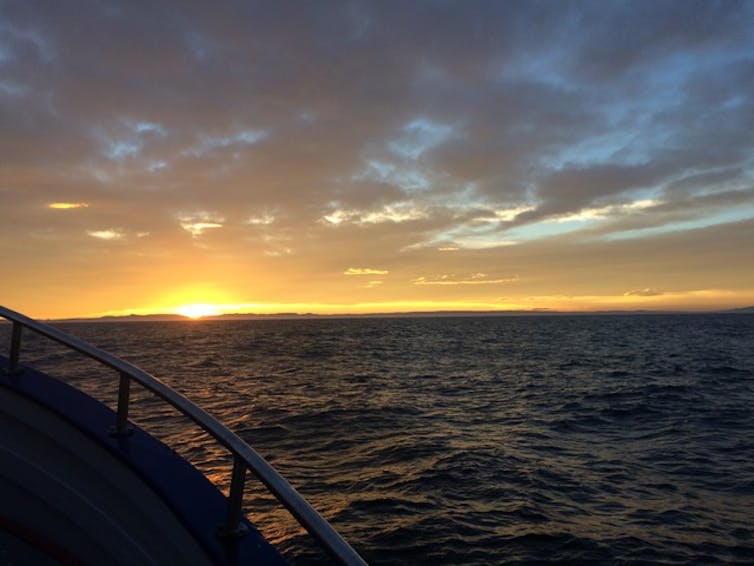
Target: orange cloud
646, 292
365, 271
110, 234
474, 279
67, 205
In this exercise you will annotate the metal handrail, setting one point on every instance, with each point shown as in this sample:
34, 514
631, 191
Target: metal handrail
243, 455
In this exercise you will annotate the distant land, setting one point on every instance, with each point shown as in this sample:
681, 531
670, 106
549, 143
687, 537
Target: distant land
745, 310
409, 314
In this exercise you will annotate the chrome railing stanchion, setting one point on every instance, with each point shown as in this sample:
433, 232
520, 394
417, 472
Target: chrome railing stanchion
121, 420
15, 348
233, 527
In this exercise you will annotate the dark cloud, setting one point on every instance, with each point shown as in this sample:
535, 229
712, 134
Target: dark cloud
634, 35
572, 189
695, 181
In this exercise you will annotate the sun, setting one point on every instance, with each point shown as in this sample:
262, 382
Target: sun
197, 310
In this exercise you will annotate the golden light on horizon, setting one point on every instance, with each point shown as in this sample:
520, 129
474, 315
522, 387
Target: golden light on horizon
197, 310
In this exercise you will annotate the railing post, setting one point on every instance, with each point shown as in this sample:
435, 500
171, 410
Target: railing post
121, 427
233, 528
15, 348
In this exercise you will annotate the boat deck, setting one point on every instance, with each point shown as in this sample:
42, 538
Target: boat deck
77, 494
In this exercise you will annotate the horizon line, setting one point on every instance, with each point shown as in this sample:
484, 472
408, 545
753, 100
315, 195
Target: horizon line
168, 316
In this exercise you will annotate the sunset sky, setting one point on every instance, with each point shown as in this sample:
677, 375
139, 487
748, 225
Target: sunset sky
382, 156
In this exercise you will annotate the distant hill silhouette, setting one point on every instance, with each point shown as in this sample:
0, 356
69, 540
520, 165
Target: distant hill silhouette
416, 314
744, 310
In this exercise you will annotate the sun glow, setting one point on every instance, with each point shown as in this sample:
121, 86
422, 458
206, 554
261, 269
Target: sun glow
197, 310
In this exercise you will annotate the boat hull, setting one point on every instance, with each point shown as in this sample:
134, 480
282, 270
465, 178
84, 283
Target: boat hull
73, 491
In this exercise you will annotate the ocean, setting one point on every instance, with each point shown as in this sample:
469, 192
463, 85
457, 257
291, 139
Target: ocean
467, 440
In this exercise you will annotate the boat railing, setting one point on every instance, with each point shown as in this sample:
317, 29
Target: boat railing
244, 457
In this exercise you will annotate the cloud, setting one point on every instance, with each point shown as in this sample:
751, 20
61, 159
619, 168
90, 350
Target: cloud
608, 211
278, 252
399, 212
198, 228
109, 234
125, 138
261, 220
67, 205
572, 189
365, 271
239, 139
646, 292
419, 136
199, 222
473, 279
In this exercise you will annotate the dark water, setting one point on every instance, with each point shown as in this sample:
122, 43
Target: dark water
589, 439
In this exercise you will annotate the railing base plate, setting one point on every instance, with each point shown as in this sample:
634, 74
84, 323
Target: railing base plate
114, 432
223, 532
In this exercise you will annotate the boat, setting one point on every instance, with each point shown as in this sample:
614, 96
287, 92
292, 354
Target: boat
82, 484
